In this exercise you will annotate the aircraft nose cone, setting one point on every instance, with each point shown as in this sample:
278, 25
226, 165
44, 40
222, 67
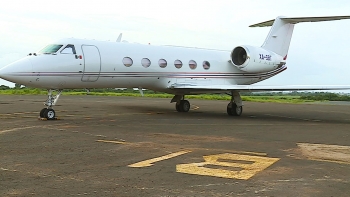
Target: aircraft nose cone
16, 71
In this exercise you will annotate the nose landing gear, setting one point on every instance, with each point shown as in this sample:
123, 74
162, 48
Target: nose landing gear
48, 113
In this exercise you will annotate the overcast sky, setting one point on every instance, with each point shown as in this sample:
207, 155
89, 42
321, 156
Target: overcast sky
318, 53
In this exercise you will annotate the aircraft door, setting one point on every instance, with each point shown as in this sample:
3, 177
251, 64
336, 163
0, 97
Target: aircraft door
92, 63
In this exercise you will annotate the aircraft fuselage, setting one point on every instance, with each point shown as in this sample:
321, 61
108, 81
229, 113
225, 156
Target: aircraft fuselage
103, 64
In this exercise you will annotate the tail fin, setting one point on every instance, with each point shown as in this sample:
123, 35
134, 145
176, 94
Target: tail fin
280, 35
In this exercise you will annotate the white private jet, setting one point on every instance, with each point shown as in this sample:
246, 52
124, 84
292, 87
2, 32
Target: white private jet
77, 63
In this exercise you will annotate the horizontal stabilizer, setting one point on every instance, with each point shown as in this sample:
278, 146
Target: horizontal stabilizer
295, 20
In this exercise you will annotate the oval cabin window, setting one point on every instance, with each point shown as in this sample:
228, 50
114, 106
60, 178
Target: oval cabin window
192, 64
162, 63
178, 64
127, 61
206, 65
145, 62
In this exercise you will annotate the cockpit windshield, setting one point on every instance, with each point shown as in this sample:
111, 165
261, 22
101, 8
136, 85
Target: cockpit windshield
52, 48
69, 49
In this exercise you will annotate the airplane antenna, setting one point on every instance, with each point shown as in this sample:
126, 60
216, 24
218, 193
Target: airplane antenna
119, 39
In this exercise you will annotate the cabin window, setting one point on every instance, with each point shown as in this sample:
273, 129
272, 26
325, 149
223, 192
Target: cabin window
192, 64
69, 49
145, 62
162, 63
127, 61
206, 65
52, 48
178, 64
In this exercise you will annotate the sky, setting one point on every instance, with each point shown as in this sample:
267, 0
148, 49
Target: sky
318, 54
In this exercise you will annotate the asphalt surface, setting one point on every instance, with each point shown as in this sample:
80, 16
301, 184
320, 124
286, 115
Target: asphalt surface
124, 146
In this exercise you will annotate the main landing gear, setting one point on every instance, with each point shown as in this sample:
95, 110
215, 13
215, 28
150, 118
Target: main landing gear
181, 105
234, 108
48, 113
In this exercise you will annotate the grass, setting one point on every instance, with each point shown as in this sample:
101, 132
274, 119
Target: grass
274, 99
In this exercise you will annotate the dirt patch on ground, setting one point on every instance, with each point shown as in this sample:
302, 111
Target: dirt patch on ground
332, 153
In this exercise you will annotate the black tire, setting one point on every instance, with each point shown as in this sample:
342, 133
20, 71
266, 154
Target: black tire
50, 114
229, 109
234, 110
178, 108
185, 106
42, 113
238, 111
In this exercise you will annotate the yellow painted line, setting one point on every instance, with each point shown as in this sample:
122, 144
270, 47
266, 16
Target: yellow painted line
250, 153
17, 129
233, 151
245, 171
69, 126
110, 141
5, 169
6, 118
18, 113
28, 116
195, 107
6, 114
150, 162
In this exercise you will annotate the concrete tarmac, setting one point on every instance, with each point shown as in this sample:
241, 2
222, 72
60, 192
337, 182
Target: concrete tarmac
125, 146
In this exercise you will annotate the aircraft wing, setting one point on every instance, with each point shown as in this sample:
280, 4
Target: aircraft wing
258, 88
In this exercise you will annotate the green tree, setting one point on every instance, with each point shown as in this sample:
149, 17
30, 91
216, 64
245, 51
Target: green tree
3, 87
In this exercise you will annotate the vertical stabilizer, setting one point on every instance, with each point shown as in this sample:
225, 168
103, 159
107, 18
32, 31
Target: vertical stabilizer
280, 35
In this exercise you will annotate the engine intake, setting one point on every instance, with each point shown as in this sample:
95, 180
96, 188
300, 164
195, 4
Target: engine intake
255, 59
239, 56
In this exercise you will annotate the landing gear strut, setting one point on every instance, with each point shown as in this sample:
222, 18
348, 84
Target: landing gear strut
234, 108
48, 113
181, 105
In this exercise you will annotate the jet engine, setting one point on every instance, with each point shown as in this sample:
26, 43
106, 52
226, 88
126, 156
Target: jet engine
255, 59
